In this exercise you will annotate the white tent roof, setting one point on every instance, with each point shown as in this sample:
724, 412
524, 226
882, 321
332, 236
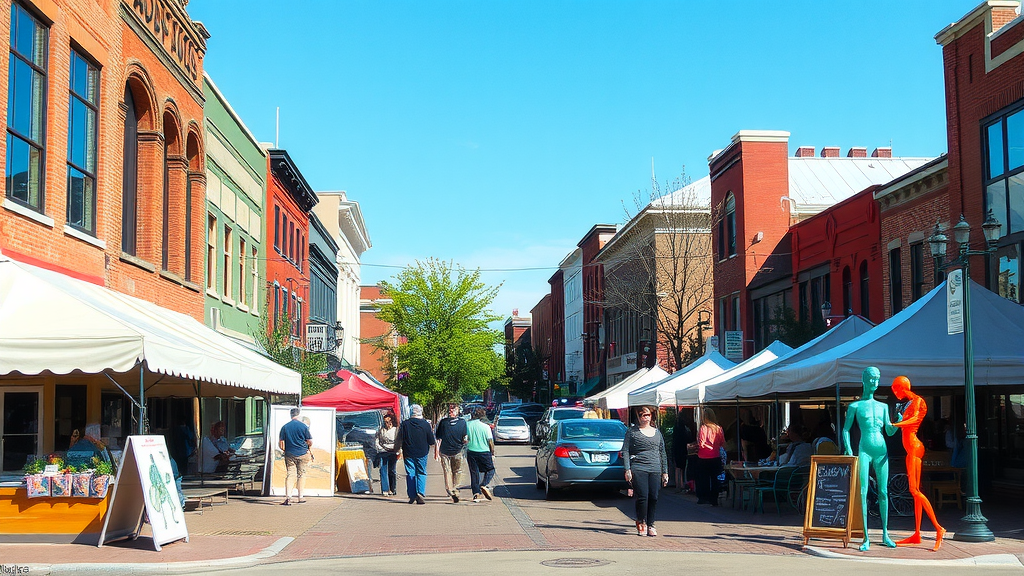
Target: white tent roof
52, 322
761, 381
914, 343
662, 392
694, 393
616, 397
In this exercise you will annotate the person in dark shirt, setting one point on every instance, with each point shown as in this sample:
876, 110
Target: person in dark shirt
295, 441
415, 437
450, 442
682, 436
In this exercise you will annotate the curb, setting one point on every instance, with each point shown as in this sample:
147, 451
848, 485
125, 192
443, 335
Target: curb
162, 567
1008, 560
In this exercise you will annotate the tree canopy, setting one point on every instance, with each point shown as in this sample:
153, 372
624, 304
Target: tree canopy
278, 344
446, 350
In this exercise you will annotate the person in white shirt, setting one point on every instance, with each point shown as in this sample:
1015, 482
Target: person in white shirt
215, 452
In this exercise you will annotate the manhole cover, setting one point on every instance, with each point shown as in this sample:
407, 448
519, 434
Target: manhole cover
574, 563
241, 533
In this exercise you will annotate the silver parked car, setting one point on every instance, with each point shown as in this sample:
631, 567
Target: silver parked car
511, 429
550, 416
581, 452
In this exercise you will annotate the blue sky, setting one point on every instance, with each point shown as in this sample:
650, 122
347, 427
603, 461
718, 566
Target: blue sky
496, 133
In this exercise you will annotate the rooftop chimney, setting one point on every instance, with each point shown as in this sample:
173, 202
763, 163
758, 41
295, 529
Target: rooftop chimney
882, 153
805, 152
830, 152
857, 152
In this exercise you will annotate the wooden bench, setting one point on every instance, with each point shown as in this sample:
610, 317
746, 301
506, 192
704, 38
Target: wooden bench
205, 495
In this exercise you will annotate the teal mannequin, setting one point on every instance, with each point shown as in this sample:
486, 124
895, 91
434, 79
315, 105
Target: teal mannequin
872, 417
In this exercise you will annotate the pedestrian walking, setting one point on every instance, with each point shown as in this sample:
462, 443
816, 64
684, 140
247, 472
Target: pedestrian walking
480, 455
646, 464
682, 436
415, 437
710, 440
448, 448
387, 454
295, 441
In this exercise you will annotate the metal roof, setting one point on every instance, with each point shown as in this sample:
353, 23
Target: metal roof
816, 183
695, 194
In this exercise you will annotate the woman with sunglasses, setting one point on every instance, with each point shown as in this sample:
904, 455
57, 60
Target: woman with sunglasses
646, 464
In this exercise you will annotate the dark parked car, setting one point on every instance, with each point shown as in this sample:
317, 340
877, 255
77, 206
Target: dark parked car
550, 416
581, 451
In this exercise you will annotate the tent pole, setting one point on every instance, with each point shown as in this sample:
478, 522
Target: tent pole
839, 419
142, 399
199, 431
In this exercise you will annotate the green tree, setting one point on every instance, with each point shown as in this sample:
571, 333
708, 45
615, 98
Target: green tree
278, 345
441, 310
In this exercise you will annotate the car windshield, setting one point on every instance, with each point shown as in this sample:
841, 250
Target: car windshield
360, 419
504, 421
594, 430
566, 414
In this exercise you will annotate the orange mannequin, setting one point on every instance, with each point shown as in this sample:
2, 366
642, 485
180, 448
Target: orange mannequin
913, 414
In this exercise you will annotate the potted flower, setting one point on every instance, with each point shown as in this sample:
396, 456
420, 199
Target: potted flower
37, 484
80, 480
102, 473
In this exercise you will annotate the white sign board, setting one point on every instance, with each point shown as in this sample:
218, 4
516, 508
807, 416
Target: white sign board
144, 483
319, 477
955, 302
316, 337
734, 344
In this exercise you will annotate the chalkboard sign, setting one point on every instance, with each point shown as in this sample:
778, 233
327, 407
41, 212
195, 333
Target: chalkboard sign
833, 499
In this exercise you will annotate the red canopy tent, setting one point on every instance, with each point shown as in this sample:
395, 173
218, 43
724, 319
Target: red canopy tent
353, 394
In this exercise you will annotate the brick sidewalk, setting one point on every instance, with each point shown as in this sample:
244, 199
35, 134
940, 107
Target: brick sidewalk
518, 519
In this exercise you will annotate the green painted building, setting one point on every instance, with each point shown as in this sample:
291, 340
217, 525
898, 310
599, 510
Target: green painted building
236, 168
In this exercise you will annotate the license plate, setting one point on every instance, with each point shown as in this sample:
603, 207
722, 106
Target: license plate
602, 457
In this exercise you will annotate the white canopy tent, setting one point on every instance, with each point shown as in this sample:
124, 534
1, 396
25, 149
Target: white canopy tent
760, 382
50, 322
915, 343
616, 397
662, 392
694, 393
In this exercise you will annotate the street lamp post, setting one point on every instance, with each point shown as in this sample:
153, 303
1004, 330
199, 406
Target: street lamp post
702, 323
976, 524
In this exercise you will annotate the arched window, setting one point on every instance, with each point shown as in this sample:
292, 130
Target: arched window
130, 176
847, 292
865, 282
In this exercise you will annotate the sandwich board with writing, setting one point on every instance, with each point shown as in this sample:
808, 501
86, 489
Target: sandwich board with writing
833, 500
144, 484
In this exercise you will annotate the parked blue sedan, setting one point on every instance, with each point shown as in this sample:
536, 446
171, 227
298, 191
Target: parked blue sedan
581, 452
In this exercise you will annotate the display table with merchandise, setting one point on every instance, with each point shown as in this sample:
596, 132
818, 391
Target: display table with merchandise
48, 519
343, 455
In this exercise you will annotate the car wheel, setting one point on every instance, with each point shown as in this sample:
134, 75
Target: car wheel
540, 483
549, 492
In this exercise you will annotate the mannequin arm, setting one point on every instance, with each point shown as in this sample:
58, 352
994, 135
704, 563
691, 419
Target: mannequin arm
850, 415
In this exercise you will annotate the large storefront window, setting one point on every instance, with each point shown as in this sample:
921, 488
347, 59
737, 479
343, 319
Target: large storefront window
20, 415
1004, 175
26, 109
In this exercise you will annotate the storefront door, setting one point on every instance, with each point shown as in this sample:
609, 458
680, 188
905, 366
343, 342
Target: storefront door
21, 411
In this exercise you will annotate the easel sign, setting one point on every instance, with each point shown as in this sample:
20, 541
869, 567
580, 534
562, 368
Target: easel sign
144, 483
833, 500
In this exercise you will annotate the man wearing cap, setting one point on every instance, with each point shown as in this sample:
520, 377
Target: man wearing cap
415, 437
450, 442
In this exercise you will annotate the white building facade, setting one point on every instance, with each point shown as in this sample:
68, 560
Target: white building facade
344, 221
572, 285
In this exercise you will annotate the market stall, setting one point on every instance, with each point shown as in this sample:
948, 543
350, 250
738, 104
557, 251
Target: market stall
662, 392
71, 350
616, 397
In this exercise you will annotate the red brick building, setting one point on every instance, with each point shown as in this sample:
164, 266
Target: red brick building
757, 193
910, 207
983, 64
593, 312
844, 240
556, 363
372, 328
289, 200
540, 336
103, 159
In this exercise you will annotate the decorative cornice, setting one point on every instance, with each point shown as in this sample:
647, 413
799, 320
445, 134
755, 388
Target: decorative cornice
288, 174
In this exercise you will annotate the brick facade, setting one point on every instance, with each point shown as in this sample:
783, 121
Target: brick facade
130, 44
371, 327
593, 295
556, 364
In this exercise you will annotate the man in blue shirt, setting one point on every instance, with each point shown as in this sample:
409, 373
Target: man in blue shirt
295, 441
